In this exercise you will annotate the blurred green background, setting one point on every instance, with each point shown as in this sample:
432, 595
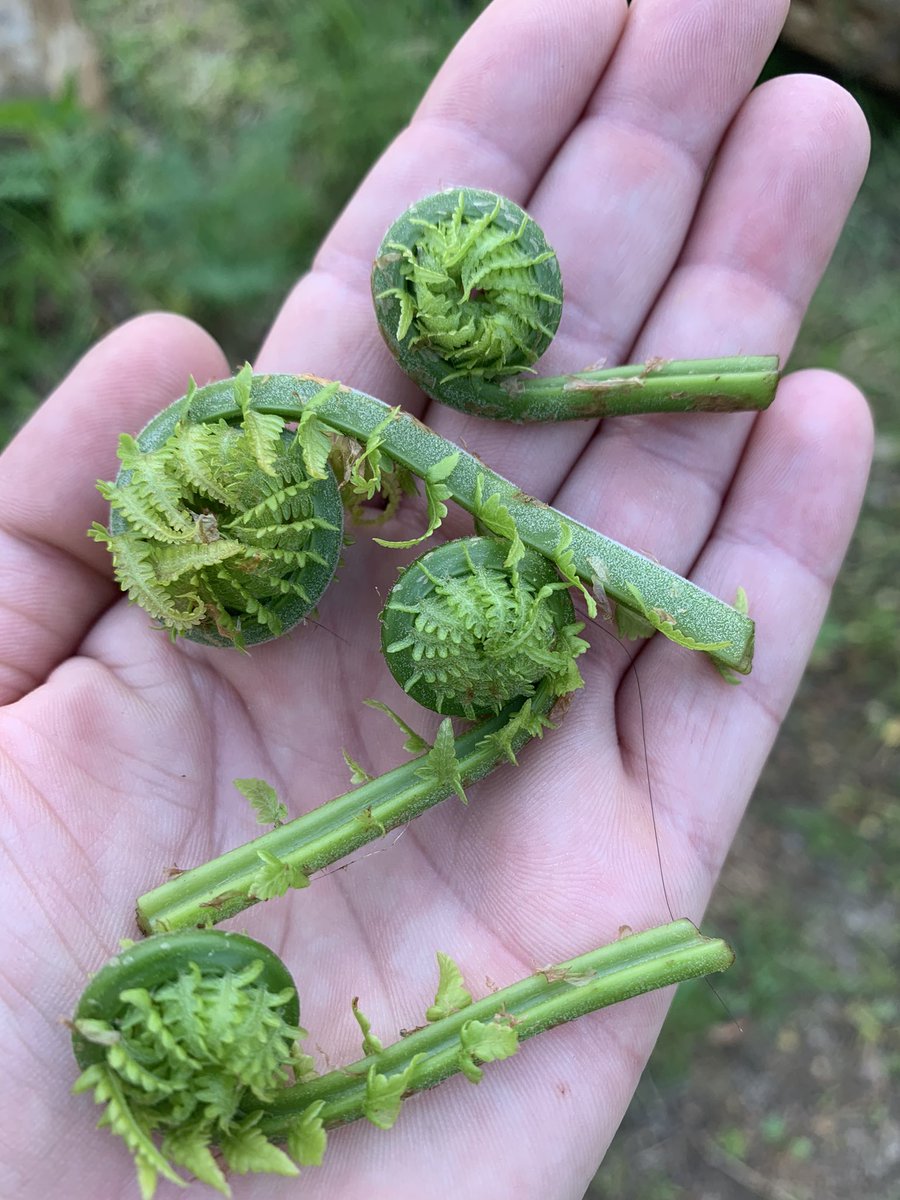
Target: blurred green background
221, 140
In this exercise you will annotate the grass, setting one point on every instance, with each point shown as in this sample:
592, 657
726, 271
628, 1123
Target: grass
105, 214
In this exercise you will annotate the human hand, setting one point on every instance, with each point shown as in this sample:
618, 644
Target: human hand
689, 220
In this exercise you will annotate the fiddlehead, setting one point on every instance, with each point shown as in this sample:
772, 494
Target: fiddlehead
189, 1041
226, 532
468, 296
396, 442
174, 1037
469, 287
476, 623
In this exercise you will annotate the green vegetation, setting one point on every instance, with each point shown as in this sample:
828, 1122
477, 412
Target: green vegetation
106, 214
103, 214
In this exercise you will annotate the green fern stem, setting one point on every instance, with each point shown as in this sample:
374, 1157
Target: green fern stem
468, 296
227, 885
635, 964
677, 608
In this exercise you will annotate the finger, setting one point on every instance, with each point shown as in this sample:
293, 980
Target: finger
619, 198
781, 535
495, 114
54, 582
772, 213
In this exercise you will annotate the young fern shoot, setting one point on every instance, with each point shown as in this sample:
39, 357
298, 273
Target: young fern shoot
191, 1044
476, 623
225, 532
389, 445
469, 295
227, 527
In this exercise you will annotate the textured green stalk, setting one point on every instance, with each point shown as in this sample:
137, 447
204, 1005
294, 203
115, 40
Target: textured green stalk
691, 385
694, 385
221, 888
678, 608
629, 967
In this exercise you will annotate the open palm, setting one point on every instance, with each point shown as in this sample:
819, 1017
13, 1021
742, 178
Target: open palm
690, 220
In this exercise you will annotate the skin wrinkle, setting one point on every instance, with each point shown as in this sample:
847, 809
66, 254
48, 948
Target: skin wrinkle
86, 674
706, 475
46, 550
773, 716
748, 690
39, 620
202, 676
11, 1033
695, 159
172, 797
286, 743
16, 682
503, 160
504, 903
378, 963
673, 822
813, 161
687, 36
353, 281
767, 541
580, 328
43, 546
533, 28
37, 801
50, 912
240, 702
283, 941
515, 951
388, 946
688, 275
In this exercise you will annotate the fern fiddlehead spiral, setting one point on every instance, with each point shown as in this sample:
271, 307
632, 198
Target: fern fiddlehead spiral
174, 1036
227, 529
222, 531
468, 295
465, 630
191, 1044
476, 290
